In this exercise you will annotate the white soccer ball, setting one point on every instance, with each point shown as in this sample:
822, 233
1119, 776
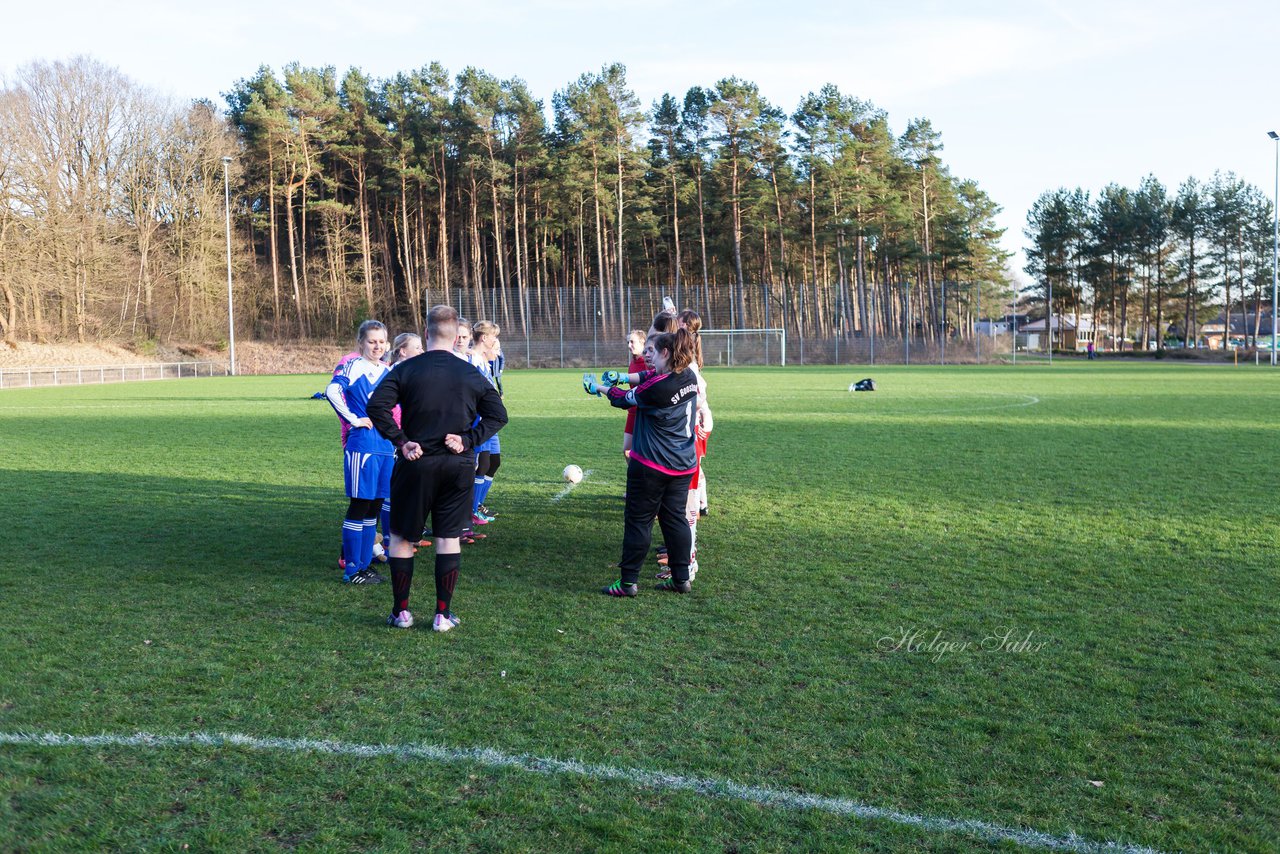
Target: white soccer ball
572, 474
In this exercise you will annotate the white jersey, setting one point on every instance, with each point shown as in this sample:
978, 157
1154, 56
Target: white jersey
704, 411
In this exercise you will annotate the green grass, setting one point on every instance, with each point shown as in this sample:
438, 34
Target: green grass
169, 567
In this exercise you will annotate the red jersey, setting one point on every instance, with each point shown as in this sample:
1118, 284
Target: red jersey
637, 365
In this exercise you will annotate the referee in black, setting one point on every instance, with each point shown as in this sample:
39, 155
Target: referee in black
439, 396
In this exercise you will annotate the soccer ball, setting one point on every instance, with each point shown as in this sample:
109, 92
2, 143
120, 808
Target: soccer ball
572, 474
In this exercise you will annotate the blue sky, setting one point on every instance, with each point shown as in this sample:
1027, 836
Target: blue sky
1028, 96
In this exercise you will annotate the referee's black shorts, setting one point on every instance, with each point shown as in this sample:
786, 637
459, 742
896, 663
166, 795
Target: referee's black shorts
441, 485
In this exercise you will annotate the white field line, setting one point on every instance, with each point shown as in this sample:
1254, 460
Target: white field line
571, 487
658, 780
186, 405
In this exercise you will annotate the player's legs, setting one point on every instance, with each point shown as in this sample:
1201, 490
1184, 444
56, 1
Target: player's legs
489, 457
452, 490
407, 517
644, 495
361, 475
368, 482
495, 461
691, 516
357, 545
477, 491
675, 527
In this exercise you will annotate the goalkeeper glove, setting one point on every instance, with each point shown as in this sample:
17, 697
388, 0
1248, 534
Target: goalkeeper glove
612, 378
590, 386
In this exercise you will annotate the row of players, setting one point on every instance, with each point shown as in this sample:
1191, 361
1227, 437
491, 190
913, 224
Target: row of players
667, 441
369, 458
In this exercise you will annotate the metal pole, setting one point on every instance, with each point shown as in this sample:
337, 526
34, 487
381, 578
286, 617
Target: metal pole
231, 315
1015, 328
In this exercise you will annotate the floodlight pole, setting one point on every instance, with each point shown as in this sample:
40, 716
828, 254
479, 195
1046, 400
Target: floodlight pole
1275, 247
231, 310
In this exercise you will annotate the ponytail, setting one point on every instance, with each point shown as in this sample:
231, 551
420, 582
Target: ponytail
692, 321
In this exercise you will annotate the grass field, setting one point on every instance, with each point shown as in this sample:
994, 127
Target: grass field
169, 568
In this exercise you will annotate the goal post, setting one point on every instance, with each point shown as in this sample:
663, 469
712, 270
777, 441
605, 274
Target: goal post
729, 347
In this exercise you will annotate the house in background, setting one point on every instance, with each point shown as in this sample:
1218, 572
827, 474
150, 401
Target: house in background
992, 326
1065, 333
1242, 329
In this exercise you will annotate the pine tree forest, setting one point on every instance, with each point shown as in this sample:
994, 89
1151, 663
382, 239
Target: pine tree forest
354, 197
1151, 266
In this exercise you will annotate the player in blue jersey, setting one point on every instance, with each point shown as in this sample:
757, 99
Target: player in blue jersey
367, 456
486, 355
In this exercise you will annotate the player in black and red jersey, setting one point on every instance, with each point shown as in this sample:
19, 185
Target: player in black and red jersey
663, 458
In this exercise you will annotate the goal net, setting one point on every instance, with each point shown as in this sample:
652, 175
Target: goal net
728, 347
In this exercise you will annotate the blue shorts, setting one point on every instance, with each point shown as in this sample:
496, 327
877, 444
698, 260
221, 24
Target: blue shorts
492, 446
367, 475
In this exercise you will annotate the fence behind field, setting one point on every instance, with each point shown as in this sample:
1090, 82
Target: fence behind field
41, 377
577, 327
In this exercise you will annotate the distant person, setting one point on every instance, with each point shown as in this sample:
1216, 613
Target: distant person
1089, 349
635, 349
692, 321
439, 397
462, 342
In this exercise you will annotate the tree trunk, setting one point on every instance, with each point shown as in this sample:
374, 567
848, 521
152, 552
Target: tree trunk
443, 214
366, 261
273, 237
290, 186
601, 285
736, 207
702, 241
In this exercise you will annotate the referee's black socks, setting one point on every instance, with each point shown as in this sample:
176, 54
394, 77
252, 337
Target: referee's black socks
401, 580
446, 577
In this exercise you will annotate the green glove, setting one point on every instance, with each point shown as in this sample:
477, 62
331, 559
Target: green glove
590, 386
612, 378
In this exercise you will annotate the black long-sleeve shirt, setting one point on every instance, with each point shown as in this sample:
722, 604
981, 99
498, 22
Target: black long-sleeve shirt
438, 394
666, 411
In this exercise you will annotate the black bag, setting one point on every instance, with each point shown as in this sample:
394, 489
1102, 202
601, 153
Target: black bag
865, 385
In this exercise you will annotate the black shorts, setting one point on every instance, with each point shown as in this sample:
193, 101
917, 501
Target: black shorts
440, 485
